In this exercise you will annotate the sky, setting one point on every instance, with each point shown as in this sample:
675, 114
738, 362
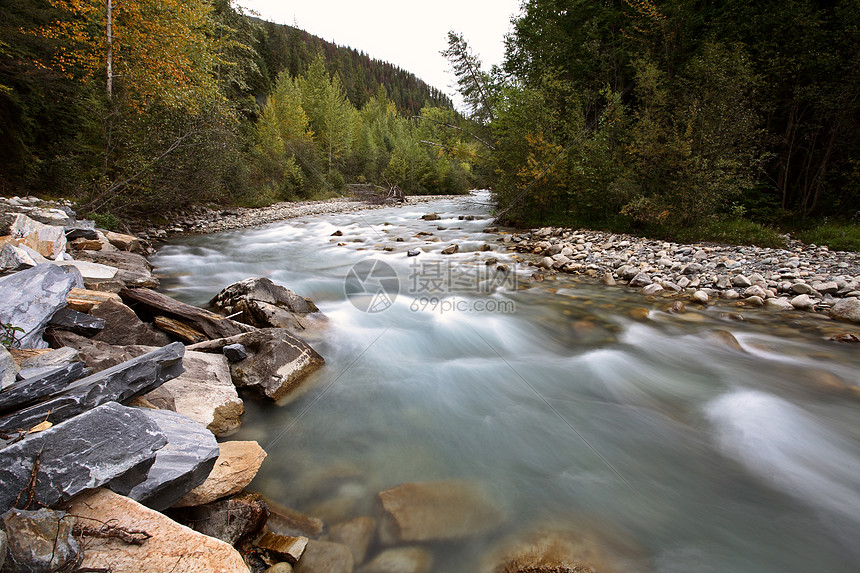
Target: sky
407, 34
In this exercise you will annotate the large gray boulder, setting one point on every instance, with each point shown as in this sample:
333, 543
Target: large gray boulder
277, 361
132, 269
48, 240
117, 384
180, 466
262, 303
90, 450
30, 298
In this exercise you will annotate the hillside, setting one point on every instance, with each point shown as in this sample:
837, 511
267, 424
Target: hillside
283, 47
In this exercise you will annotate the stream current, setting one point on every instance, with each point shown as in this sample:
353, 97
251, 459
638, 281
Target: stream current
570, 405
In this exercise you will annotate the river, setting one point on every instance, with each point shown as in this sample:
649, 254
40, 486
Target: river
562, 397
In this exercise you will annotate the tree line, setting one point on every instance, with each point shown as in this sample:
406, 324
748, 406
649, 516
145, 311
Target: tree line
670, 114
137, 107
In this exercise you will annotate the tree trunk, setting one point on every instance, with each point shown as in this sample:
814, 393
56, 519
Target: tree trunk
109, 31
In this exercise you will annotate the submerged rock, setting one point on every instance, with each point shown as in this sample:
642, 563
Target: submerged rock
86, 452
434, 511
325, 557
166, 546
30, 298
356, 534
846, 309
401, 560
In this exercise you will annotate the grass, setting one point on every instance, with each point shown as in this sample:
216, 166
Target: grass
835, 235
731, 232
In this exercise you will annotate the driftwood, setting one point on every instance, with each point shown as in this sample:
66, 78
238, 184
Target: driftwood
377, 194
204, 321
180, 330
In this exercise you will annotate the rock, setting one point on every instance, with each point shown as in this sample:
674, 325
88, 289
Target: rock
132, 269
755, 290
740, 281
180, 466
724, 282
292, 523
413, 252
692, 269
678, 307
830, 287
8, 370
283, 567
40, 540
86, 452
124, 328
235, 352
356, 534
846, 309
123, 242
209, 323
234, 469
627, 272
778, 304
337, 234
91, 272
50, 382
204, 392
231, 520
277, 361
325, 557
451, 249
77, 322
80, 231
802, 302
401, 560
30, 298
179, 330
640, 280
431, 217
84, 300
434, 511
289, 549
801, 288
14, 259
608, 280
652, 289
48, 358
119, 383
170, 547
754, 301
263, 303
700, 297
47, 240
4, 547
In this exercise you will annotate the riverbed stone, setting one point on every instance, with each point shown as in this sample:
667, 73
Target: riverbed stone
755, 290
356, 533
235, 352
640, 280
401, 560
28, 300
236, 466
846, 309
801, 288
325, 557
277, 361
40, 540
169, 547
435, 511
86, 452
451, 249
8, 369
181, 465
778, 303
700, 297
802, 302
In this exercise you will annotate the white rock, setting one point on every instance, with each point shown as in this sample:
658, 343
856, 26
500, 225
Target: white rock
802, 302
47, 240
701, 297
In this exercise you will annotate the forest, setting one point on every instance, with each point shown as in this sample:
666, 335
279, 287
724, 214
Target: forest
693, 119
729, 121
139, 107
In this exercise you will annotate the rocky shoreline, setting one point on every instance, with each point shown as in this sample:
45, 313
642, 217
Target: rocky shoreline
93, 356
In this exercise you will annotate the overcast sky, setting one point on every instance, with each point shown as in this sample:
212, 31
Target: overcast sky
408, 34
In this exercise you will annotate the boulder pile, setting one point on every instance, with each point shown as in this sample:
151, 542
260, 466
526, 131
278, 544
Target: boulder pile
112, 397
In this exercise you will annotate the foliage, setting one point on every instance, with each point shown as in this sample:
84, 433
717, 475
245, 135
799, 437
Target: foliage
9, 335
839, 236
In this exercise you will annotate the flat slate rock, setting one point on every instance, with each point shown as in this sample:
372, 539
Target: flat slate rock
116, 384
77, 322
180, 466
25, 392
80, 454
30, 298
132, 269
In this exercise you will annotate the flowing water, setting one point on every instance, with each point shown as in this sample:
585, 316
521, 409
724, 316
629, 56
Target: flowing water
572, 406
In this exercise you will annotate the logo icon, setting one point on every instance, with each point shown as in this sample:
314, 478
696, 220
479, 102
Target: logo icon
372, 286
